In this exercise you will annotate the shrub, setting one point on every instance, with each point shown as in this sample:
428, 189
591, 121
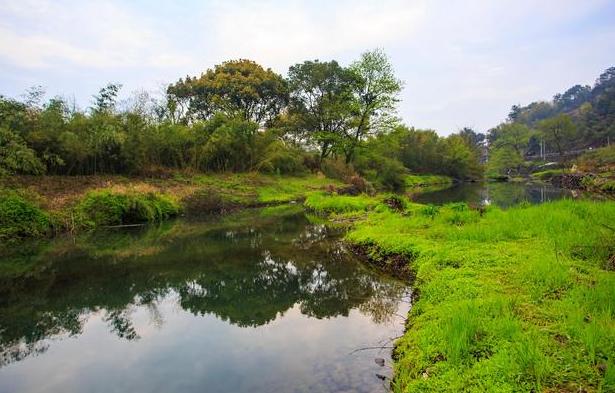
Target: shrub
395, 202
337, 169
20, 217
106, 207
280, 159
385, 173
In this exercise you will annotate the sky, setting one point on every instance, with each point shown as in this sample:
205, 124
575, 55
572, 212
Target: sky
463, 63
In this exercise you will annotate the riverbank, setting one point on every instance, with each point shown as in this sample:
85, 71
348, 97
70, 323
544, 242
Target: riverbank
35, 206
515, 300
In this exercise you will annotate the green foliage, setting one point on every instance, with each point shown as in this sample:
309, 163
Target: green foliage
16, 156
229, 146
20, 217
559, 131
105, 207
376, 97
277, 155
419, 151
504, 161
321, 104
236, 88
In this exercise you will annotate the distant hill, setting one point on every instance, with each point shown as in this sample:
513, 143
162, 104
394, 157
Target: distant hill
591, 108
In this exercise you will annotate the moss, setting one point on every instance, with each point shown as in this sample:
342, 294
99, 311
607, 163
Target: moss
20, 217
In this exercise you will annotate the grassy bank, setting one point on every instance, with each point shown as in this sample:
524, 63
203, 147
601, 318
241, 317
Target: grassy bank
515, 300
42, 205
427, 180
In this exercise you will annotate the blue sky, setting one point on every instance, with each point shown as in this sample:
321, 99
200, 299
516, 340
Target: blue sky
464, 63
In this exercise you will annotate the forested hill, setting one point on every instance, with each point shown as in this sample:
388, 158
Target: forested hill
592, 109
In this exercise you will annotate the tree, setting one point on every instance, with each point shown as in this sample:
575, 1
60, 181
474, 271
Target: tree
513, 135
236, 88
322, 104
459, 159
16, 156
376, 91
106, 98
572, 98
559, 131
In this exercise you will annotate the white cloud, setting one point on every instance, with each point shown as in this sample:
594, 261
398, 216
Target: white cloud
282, 33
39, 34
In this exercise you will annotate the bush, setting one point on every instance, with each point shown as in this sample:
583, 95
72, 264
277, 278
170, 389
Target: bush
20, 217
396, 202
106, 207
385, 173
335, 168
280, 159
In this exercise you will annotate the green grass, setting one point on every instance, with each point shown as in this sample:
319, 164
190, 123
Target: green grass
249, 189
547, 174
427, 180
515, 300
285, 189
324, 203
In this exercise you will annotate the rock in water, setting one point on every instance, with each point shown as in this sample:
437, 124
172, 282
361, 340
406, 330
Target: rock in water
379, 361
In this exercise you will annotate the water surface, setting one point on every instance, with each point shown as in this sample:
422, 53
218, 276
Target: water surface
504, 194
261, 301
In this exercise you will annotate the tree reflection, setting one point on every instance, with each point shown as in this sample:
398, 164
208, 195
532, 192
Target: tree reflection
244, 274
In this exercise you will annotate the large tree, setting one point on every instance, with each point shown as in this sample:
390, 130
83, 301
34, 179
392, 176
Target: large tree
322, 104
511, 135
237, 88
376, 91
559, 131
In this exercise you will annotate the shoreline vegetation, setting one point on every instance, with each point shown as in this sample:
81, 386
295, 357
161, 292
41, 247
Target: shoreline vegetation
39, 206
507, 300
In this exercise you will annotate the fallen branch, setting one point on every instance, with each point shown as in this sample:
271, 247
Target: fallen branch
368, 348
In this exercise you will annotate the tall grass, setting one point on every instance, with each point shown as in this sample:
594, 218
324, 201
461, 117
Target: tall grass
515, 300
105, 207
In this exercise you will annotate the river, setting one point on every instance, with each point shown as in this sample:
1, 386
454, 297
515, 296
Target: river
502, 194
264, 300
